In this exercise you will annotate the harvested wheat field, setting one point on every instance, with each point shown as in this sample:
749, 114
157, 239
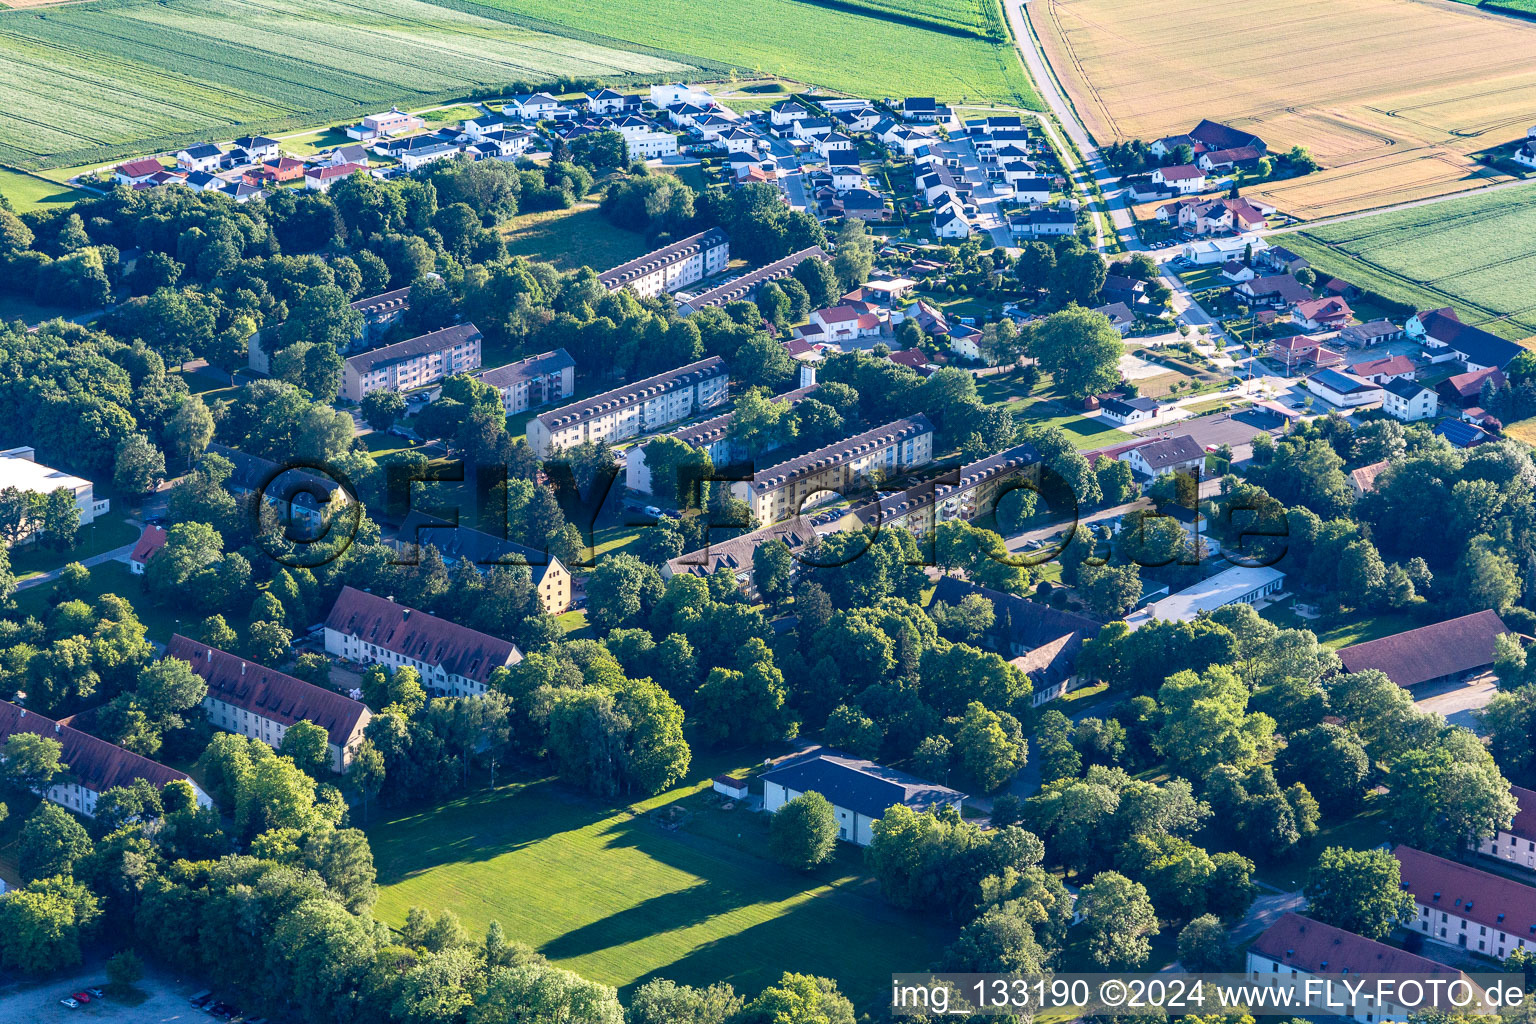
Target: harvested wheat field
1391, 96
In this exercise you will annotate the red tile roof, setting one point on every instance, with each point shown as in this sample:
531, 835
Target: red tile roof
1183, 172
1389, 365
1464, 891
141, 168
150, 541
94, 763
458, 649
1318, 948
1323, 309
268, 693
339, 171
1445, 648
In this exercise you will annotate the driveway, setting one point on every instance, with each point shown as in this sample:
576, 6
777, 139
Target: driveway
115, 555
1457, 701
1269, 907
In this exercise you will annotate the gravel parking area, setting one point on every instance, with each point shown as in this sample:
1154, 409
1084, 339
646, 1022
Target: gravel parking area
38, 1002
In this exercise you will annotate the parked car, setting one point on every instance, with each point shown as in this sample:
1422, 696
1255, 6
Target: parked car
81, 997
66, 1001
96, 993
652, 510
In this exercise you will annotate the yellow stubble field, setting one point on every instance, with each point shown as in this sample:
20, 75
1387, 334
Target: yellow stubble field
1391, 96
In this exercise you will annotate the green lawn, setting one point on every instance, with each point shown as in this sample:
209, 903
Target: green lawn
108, 532
114, 578
1356, 628
28, 193
572, 238
612, 895
1041, 408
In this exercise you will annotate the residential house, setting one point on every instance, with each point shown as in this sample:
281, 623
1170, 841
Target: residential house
1385, 369
202, 181
1239, 584
412, 363
1452, 651
859, 791
1342, 389
1236, 272
650, 145
1120, 316
949, 221
1028, 187
1229, 161
1128, 411
1318, 959
1457, 905
259, 148
202, 157
672, 267
1185, 179
453, 660
841, 324
1405, 399
536, 106
1444, 336
456, 543
263, 703
1118, 288
1282, 260
846, 171
1046, 223
862, 204
672, 94
20, 469
1326, 314
607, 101
533, 381
132, 172
1302, 352
745, 286
1278, 291
643, 407
95, 765
392, 122
1363, 480
809, 129
736, 554
351, 154
1212, 251
151, 540
275, 171
1515, 844
1526, 154
924, 110
781, 491
416, 159
860, 120
1178, 454
324, 176
785, 113
833, 142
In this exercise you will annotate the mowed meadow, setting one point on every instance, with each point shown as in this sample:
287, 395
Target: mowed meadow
1475, 254
1392, 96
86, 80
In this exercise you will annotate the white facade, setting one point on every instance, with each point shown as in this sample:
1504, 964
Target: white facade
1183, 180
1420, 404
650, 145
852, 827
643, 408
1265, 970
20, 469
672, 267
1221, 250
1241, 583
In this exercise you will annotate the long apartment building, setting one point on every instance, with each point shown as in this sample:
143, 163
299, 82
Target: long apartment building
453, 660
95, 765
1455, 904
712, 436
380, 313
412, 363
672, 266
1516, 844
263, 703
634, 409
1296, 949
781, 491
533, 381
745, 286
964, 493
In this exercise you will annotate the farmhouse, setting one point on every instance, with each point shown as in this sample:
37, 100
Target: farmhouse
1208, 136
1457, 905
1374, 332
1225, 161
1444, 336
453, 660
1241, 583
412, 364
533, 380
1516, 844
1297, 948
1185, 179
643, 407
95, 765
1363, 480
1405, 399
20, 469
1342, 389
1465, 389
744, 287
781, 491
1451, 651
859, 791
263, 703
1180, 454
736, 554
1041, 641
551, 578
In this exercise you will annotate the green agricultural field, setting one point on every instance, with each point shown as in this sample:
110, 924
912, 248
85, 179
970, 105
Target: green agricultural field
614, 896
91, 79
28, 193
1472, 253
833, 44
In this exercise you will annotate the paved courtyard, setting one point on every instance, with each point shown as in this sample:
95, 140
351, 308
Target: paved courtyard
38, 1002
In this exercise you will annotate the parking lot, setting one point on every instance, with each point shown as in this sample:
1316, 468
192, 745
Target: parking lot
38, 1003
